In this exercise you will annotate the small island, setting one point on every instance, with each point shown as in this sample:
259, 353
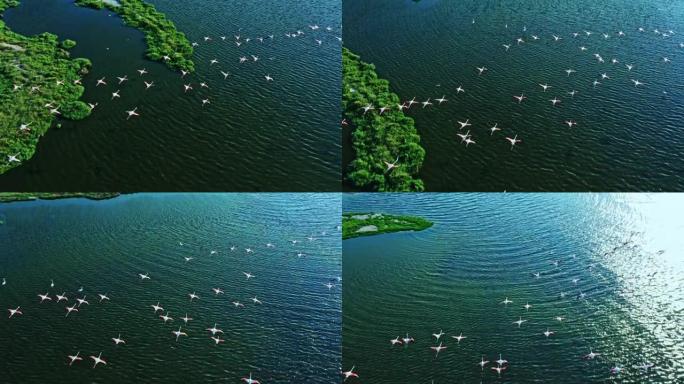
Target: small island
379, 137
369, 224
7, 197
164, 42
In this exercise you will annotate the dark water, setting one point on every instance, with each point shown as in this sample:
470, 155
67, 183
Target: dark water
294, 336
626, 251
255, 135
627, 138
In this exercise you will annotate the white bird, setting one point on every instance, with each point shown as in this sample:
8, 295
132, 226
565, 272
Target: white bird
82, 301
249, 379
390, 166
464, 124
52, 283
520, 98
132, 113
438, 349
426, 103
217, 291
118, 340
62, 297
225, 75
438, 335
459, 337
460, 90
187, 87
255, 300
148, 85
481, 70
247, 275
268, 78
101, 82
238, 304
494, 129
349, 374
514, 140
71, 309
555, 101
122, 79
213, 61
527, 306
637, 83
205, 101
98, 360
145, 276
142, 71
178, 333
157, 308
16, 311
214, 330
548, 333
591, 355
441, 100
395, 341
217, 340
506, 301
570, 123
545, 86
116, 94
75, 358
166, 317
520, 321
44, 297
193, 296
186, 318
570, 71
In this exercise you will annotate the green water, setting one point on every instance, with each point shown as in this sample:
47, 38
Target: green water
293, 336
254, 136
627, 138
627, 304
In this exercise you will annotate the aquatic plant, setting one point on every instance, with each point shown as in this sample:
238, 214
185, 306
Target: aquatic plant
36, 76
68, 44
369, 224
164, 42
378, 138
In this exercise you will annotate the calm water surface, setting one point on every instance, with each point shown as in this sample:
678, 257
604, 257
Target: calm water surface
627, 138
294, 336
627, 304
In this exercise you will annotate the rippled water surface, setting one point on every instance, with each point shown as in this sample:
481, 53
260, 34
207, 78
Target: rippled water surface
627, 304
626, 138
254, 136
294, 336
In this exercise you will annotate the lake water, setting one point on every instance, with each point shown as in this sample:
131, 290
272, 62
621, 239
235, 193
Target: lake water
627, 138
627, 304
254, 136
294, 336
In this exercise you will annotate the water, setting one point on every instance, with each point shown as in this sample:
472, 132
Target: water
254, 136
625, 249
627, 138
294, 336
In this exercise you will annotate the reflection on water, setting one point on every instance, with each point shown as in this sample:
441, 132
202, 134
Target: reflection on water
610, 265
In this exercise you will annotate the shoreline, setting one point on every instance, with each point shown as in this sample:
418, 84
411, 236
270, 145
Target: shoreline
378, 137
373, 224
11, 197
164, 42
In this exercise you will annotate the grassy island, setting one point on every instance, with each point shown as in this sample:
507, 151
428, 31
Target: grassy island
6, 197
38, 79
369, 224
378, 138
164, 42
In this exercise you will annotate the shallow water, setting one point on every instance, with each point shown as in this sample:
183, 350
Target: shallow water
254, 136
293, 336
626, 251
627, 139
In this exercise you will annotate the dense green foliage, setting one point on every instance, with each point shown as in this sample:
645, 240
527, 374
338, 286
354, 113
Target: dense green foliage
36, 74
97, 4
4, 4
68, 44
352, 223
378, 138
12, 196
160, 33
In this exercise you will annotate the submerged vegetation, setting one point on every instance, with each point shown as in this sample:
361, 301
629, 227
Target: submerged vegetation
38, 80
6, 197
386, 145
369, 224
164, 42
